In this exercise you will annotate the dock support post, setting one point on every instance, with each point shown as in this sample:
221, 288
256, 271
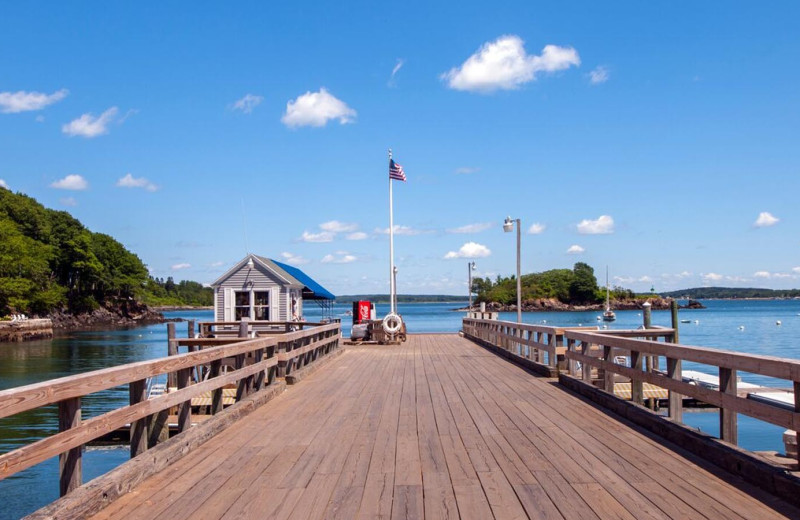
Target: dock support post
797, 410
138, 393
69, 462
674, 372
728, 430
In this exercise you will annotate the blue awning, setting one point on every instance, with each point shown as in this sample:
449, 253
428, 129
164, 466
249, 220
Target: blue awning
313, 290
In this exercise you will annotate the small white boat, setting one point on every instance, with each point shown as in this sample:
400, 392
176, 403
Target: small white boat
608, 314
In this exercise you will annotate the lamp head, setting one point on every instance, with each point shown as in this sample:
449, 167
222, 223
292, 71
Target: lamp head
508, 225
250, 263
472, 265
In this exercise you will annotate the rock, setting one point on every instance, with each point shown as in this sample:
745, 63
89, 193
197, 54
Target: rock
123, 313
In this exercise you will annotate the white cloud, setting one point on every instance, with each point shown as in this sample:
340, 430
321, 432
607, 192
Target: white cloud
334, 226
713, 277
762, 274
129, 181
399, 230
292, 259
472, 228
39, 118
323, 236
645, 279
68, 201
248, 103
71, 182
89, 126
469, 250
536, 229
602, 226
504, 64
796, 270
316, 109
598, 75
339, 257
466, 170
21, 101
178, 267
217, 264
766, 219
395, 70
358, 235
3, 184
575, 249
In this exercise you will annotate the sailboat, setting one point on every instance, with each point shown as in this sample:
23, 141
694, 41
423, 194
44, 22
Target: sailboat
608, 314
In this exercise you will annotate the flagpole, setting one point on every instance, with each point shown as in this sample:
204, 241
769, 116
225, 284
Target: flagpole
392, 287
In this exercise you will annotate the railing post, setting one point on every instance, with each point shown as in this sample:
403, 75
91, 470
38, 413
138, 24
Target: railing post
572, 365
69, 462
137, 391
675, 399
242, 387
637, 386
728, 430
185, 408
282, 364
552, 356
216, 395
797, 410
608, 375
172, 350
586, 368
190, 329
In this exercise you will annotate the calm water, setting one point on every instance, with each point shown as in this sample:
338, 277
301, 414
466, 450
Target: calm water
20, 364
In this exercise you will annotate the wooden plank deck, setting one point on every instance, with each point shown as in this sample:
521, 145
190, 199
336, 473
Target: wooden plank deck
438, 428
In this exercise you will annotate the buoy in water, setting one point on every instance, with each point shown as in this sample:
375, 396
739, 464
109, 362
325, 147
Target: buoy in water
778, 322
741, 327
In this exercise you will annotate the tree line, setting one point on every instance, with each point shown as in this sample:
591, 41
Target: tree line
576, 286
50, 261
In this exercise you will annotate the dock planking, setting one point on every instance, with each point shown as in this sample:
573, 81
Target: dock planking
438, 428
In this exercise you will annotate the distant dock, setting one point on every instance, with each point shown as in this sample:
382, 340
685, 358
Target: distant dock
25, 330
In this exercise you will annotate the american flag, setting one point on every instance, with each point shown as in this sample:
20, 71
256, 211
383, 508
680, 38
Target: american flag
396, 171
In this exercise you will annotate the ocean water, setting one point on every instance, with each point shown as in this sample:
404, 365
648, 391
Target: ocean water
743, 326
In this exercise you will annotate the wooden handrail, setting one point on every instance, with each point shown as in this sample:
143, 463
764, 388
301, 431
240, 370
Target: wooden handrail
283, 353
728, 363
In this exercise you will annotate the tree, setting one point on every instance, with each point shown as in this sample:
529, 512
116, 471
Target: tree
584, 284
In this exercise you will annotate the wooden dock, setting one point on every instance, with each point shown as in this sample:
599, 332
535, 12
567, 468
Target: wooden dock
438, 427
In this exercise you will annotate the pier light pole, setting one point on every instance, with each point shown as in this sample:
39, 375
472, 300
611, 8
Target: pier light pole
508, 225
470, 268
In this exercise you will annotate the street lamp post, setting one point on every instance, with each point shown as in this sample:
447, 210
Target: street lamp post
508, 225
470, 268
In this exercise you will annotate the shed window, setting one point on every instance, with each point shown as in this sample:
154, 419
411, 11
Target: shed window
261, 305
242, 305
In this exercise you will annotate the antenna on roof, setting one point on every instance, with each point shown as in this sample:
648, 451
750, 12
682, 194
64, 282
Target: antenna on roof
244, 230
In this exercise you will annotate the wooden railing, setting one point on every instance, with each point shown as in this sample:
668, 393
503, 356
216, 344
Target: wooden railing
603, 357
255, 327
256, 363
596, 352
540, 345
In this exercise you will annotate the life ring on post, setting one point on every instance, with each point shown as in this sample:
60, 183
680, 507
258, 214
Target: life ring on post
392, 323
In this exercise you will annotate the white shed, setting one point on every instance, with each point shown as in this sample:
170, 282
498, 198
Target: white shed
259, 288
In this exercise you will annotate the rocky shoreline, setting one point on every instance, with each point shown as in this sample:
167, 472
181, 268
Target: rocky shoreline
126, 314
554, 305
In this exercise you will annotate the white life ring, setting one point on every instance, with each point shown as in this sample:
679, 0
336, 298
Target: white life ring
392, 323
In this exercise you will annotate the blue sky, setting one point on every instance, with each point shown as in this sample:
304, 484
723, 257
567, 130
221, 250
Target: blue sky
660, 139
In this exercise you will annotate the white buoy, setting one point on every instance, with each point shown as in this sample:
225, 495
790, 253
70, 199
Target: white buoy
605, 326
544, 321
697, 322
778, 322
741, 327
599, 318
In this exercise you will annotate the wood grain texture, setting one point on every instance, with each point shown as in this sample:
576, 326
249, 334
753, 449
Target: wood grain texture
437, 427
